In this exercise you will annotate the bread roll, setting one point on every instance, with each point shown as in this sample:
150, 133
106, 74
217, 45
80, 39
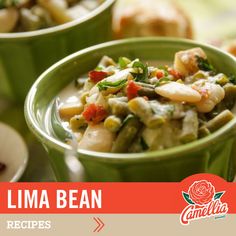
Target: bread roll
134, 18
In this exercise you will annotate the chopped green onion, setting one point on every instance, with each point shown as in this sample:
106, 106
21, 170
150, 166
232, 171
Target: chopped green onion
104, 85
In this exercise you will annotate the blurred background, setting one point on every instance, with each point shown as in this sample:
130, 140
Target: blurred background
211, 21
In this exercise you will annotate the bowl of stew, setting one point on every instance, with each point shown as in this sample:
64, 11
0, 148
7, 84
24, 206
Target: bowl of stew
36, 34
150, 109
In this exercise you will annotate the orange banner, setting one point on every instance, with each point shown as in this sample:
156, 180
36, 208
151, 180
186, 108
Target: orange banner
198, 196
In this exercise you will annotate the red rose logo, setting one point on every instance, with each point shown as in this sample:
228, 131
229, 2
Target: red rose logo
203, 202
201, 192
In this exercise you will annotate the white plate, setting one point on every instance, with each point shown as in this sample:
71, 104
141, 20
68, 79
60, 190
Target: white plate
13, 153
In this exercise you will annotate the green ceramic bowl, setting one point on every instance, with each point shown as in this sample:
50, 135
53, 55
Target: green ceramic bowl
24, 56
213, 154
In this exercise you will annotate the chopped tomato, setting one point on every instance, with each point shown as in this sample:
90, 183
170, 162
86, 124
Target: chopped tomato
159, 74
96, 76
175, 73
94, 113
132, 90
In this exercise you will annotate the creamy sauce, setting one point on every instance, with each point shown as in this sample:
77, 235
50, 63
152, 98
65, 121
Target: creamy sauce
70, 94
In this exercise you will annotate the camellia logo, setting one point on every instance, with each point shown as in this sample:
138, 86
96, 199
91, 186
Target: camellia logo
203, 201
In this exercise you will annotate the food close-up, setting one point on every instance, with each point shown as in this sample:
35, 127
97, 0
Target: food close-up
117, 90
128, 106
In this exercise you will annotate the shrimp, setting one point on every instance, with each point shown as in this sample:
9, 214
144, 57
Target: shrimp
212, 94
185, 61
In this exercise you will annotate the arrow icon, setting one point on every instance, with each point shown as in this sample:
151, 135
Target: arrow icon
100, 224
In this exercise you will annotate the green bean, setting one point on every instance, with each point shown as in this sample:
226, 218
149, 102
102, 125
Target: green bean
113, 123
145, 85
203, 132
228, 101
126, 135
148, 92
190, 127
140, 107
220, 120
118, 106
230, 96
77, 122
138, 145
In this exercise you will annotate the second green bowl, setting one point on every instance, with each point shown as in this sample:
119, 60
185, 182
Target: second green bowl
24, 56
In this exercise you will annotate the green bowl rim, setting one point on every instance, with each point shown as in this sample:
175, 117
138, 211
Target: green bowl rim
59, 28
161, 154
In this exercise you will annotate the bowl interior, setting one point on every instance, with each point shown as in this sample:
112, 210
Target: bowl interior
64, 72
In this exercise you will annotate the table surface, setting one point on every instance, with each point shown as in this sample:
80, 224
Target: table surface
217, 15
38, 168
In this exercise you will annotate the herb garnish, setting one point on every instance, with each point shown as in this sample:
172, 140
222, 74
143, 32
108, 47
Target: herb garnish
232, 78
140, 76
203, 64
104, 85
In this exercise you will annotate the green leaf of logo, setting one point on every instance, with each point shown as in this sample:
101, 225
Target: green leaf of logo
187, 198
218, 195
